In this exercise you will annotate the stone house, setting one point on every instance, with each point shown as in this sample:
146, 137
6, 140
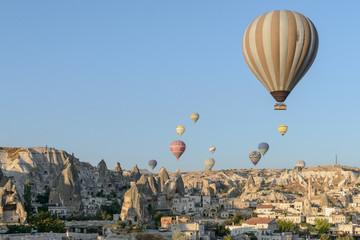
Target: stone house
293, 218
265, 209
193, 231
311, 219
266, 225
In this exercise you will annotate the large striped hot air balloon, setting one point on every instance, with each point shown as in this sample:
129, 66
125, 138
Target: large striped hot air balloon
177, 148
279, 47
255, 157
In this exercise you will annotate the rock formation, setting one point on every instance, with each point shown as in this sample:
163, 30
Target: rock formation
118, 168
163, 178
135, 206
67, 191
135, 173
11, 207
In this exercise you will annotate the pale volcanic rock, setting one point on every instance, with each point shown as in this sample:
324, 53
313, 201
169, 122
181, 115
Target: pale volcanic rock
143, 186
11, 207
118, 168
135, 207
233, 193
64, 174
135, 173
153, 185
163, 178
68, 190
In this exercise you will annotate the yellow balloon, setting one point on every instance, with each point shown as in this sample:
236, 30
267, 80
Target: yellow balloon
177, 170
194, 117
283, 129
180, 130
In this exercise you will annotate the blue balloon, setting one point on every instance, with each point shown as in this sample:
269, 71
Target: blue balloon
263, 147
152, 164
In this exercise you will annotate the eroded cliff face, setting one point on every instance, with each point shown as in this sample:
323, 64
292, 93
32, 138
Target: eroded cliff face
71, 182
135, 206
66, 190
272, 184
11, 207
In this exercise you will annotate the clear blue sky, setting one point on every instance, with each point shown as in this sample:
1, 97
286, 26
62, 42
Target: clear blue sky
113, 79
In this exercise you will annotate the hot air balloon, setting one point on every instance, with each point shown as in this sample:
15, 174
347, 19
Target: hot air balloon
212, 149
283, 129
209, 163
194, 117
279, 47
177, 148
207, 169
263, 147
255, 157
301, 164
152, 164
177, 170
180, 130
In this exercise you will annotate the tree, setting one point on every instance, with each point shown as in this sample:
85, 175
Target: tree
27, 197
322, 225
285, 226
18, 229
105, 216
346, 237
324, 236
157, 218
179, 236
221, 231
44, 222
236, 219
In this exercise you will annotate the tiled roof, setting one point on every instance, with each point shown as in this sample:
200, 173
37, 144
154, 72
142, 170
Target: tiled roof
264, 206
258, 220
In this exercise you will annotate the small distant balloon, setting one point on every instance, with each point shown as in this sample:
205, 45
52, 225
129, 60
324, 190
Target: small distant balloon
255, 157
301, 164
212, 149
180, 130
282, 129
152, 164
209, 163
177, 170
194, 117
263, 147
177, 148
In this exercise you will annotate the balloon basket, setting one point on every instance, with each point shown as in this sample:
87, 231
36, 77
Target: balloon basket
279, 106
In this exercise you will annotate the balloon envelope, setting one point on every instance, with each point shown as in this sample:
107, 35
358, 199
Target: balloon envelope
152, 164
255, 157
279, 47
263, 147
209, 163
177, 170
180, 130
177, 148
212, 149
301, 164
282, 129
194, 117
